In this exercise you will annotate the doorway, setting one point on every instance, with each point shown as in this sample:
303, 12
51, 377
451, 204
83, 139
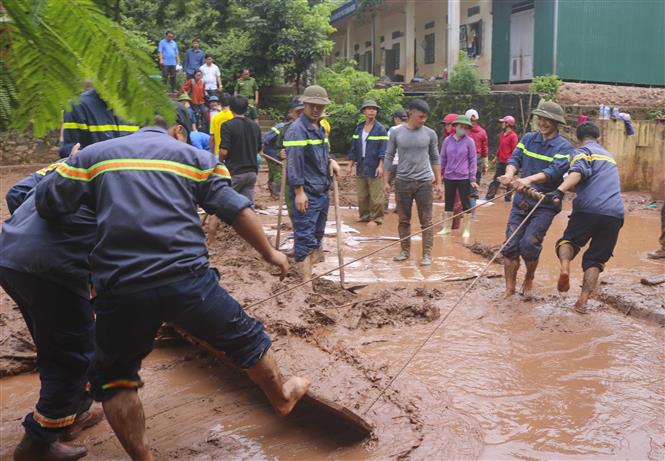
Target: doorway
521, 43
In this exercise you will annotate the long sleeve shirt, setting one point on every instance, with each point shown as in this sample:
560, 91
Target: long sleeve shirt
479, 136
599, 191
458, 158
193, 60
418, 153
507, 144
145, 189
367, 159
56, 251
535, 155
307, 151
90, 121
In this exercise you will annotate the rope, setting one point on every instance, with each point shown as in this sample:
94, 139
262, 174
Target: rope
393, 243
459, 301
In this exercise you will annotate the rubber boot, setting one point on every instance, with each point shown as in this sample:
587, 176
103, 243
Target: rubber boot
472, 201
447, 224
466, 224
402, 256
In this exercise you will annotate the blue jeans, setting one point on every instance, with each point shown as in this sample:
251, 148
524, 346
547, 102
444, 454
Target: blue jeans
61, 324
127, 325
528, 242
309, 227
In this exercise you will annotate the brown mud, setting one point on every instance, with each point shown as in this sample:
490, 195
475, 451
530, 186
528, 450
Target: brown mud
500, 379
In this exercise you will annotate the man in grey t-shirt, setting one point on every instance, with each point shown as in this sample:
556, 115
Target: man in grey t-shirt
418, 158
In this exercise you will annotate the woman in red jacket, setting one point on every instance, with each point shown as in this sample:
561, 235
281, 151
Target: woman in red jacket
507, 143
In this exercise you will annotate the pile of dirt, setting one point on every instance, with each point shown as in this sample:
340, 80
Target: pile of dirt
587, 94
486, 251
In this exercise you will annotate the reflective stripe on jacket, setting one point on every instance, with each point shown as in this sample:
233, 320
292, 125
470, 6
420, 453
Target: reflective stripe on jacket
375, 149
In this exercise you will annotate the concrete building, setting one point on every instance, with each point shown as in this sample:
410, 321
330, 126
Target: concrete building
414, 38
510, 40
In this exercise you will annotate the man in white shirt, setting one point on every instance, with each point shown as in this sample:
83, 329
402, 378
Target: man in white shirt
212, 78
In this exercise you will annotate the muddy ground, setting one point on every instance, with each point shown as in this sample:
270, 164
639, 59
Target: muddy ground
500, 379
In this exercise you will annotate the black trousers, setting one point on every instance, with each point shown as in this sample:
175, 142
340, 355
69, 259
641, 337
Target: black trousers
464, 188
168, 76
62, 325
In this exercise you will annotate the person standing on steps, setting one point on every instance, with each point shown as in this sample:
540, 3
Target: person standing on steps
309, 169
212, 77
479, 136
418, 161
150, 264
507, 143
597, 212
399, 119
458, 167
542, 159
368, 150
448, 130
169, 58
194, 59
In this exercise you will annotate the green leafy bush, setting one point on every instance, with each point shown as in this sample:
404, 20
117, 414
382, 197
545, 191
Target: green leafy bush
465, 78
546, 85
343, 119
344, 82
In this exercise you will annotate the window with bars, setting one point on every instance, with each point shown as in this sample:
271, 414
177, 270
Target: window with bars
429, 49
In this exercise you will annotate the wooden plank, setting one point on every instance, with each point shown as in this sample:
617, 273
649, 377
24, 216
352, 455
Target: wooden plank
310, 403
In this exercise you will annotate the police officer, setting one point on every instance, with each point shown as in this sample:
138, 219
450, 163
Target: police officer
44, 269
150, 264
368, 149
309, 168
542, 159
90, 121
597, 212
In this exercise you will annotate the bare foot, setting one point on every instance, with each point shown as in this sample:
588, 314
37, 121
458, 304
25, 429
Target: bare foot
371, 224
527, 286
294, 389
362, 220
563, 284
508, 293
580, 308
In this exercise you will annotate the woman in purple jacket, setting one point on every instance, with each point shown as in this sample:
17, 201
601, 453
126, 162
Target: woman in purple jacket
458, 168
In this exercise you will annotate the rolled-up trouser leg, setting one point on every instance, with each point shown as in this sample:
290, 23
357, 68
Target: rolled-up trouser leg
309, 227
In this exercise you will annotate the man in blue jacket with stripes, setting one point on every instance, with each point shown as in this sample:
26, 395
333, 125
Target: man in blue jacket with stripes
541, 158
150, 264
597, 212
368, 149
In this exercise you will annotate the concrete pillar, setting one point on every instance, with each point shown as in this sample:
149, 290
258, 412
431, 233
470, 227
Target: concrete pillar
409, 38
349, 46
453, 33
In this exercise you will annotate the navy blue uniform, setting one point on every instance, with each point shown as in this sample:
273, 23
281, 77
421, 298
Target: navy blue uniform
90, 121
375, 149
597, 208
535, 155
44, 269
307, 165
150, 261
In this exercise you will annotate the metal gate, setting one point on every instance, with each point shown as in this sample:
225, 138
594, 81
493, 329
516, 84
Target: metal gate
521, 44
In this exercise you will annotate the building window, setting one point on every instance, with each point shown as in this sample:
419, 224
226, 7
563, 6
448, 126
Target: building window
337, 54
396, 52
429, 49
382, 39
356, 47
473, 11
368, 44
429, 25
396, 34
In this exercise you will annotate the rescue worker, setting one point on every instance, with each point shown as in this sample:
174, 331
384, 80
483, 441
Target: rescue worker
150, 264
309, 169
597, 212
44, 269
90, 121
368, 149
507, 143
273, 142
542, 159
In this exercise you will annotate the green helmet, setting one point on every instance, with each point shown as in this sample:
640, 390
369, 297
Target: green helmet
463, 120
315, 94
552, 111
184, 97
369, 103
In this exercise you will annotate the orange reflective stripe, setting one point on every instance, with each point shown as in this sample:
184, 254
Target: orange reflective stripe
122, 383
222, 171
53, 422
181, 169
